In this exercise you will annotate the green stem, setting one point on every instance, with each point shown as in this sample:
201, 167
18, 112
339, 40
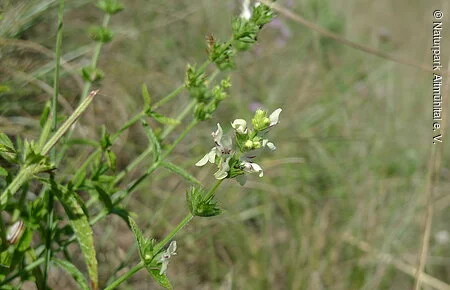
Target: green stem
125, 276
213, 189
50, 210
25, 173
95, 57
169, 97
149, 150
4, 244
68, 123
167, 239
27, 268
161, 244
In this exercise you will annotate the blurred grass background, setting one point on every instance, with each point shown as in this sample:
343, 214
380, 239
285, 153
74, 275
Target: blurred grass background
348, 179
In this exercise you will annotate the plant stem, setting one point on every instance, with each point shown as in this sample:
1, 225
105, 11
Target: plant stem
25, 173
167, 239
213, 189
125, 276
161, 244
149, 150
95, 57
54, 111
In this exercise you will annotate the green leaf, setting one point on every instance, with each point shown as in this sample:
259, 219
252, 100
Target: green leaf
100, 34
83, 231
163, 119
146, 97
111, 159
92, 74
5, 259
3, 171
122, 213
45, 114
7, 150
110, 6
200, 204
145, 246
180, 171
161, 279
104, 197
73, 271
153, 141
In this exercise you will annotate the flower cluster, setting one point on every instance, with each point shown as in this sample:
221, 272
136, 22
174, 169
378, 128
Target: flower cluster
234, 160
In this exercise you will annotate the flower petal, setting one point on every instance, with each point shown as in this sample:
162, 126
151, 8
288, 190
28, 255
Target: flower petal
204, 160
275, 116
164, 265
217, 136
252, 168
172, 248
271, 146
223, 169
258, 168
212, 155
240, 125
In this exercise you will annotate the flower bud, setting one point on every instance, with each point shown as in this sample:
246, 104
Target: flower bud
248, 144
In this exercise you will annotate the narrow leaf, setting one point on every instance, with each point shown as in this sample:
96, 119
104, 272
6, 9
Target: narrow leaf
146, 97
180, 171
153, 141
163, 119
104, 197
80, 224
73, 271
161, 279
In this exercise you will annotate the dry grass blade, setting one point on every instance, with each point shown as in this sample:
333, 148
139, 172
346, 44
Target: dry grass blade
397, 263
433, 173
297, 18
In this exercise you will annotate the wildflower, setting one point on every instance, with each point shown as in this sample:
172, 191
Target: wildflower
269, 144
274, 117
236, 162
223, 147
165, 257
240, 125
252, 167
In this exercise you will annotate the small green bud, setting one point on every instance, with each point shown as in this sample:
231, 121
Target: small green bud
100, 34
262, 14
222, 55
91, 74
248, 144
256, 144
110, 6
201, 205
260, 113
260, 121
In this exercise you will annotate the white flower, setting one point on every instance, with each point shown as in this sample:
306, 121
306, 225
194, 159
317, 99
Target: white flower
240, 125
223, 169
252, 168
246, 13
223, 147
165, 257
274, 117
269, 144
